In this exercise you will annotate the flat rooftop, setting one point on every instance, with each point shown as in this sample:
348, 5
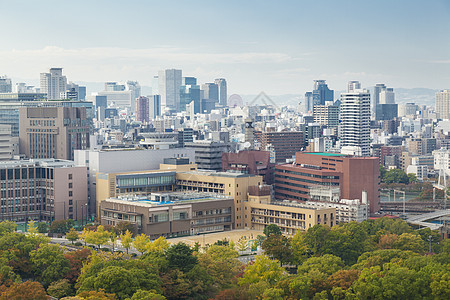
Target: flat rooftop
326, 154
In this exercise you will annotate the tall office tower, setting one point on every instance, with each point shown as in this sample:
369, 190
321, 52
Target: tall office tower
142, 109
443, 104
355, 120
211, 91
222, 84
112, 86
309, 102
5, 85
154, 106
387, 96
353, 85
53, 83
73, 87
52, 132
322, 93
327, 115
169, 82
376, 95
135, 87
189, 92
155, 85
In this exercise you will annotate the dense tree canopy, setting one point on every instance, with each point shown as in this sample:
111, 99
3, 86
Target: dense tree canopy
375, 259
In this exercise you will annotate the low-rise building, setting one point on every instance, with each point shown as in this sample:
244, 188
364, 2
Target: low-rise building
171, 214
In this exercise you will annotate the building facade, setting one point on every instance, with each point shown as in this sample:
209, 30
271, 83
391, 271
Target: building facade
284, 143
354, 128
142, 109
222, 85
53, 132
443, 104
169, 82
53, 83
42, 190
352, 175
171, 214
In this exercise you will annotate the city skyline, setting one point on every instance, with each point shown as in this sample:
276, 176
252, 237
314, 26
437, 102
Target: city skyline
256, 46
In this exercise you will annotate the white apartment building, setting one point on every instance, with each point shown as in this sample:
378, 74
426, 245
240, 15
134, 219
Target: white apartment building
53, 83
355, 120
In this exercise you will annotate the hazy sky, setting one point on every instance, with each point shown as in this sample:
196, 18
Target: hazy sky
274, 46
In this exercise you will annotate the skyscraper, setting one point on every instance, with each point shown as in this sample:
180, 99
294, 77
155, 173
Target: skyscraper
189, 92
222, 85
383, 105
211, 91
353, 85
355, 120
169, 82
53, 83
376, 95
5, 85
443, 104
322, 92
142, 109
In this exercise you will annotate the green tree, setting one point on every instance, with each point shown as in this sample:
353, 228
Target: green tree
98, 237
412, 178
409, 241
50, 263
180, 256
60, 288
146, 295
72, 235
42, 227
220, 262
126, 240
278, 247
140, 243
327, 264
117, 280
395, 176
263, 269
272, 229
7, 227
242, 244
61, 226
123, 226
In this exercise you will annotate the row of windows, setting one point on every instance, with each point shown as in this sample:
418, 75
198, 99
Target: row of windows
306, 174
143, 181
19, 173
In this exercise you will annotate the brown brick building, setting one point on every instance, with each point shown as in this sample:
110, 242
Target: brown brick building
250, 162
284, 143
352, 175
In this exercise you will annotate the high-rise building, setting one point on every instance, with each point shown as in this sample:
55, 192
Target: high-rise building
283, 144
154, 106
222, 85
5, 85
53, 83
376, 94
355, 120
353, 85
326, 115
443, 104
387, 96
169, 82
142, 109
52, 132
323, 92
211, 91
189, 92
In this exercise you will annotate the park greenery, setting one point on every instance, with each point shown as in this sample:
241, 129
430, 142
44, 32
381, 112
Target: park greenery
375, 259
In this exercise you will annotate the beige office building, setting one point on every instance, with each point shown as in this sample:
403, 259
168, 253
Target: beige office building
52, 132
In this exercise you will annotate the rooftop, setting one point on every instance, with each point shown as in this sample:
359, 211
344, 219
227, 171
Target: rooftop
326, 154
